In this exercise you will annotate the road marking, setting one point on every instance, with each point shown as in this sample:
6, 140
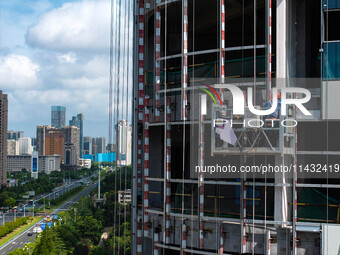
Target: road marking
37, 223
21, 234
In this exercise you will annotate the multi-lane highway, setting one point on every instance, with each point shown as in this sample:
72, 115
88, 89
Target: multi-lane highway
20, 240
39, 201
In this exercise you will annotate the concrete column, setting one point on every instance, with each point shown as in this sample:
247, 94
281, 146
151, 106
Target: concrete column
281, 196
281, 39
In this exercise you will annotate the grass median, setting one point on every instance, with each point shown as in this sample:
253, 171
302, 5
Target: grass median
19, 230
70, 196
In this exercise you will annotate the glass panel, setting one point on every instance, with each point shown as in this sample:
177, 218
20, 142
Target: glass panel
331, 61
332, 20
332, 4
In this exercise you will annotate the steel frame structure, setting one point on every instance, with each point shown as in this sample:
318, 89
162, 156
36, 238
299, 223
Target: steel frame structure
166, 213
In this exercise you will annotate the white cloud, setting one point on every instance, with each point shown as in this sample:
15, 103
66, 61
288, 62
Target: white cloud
17, 71
70, 58
65, 61
72, 27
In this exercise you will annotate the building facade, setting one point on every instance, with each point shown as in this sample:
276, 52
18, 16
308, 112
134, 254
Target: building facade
19, 163
50, 141
124, 140
58, 116
98, 145
15, 135
49, 163
124, 197
25, 145
34, 143
87, 145
45, 164
187, 50
3, 137
12, 147
72, 141
35, 165
101, 157
86, 163
40, 139
71, 155
54, 142
78, 121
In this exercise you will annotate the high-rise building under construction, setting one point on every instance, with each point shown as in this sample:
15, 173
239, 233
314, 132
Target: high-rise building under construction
3, 137
188, 56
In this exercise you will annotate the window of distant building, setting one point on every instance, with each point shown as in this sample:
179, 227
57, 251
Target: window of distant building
331, 46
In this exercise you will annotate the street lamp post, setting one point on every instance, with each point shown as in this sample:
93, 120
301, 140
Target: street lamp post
24, 211
33, 209
99, 183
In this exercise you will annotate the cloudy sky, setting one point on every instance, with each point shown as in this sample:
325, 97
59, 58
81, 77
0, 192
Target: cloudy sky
55, 52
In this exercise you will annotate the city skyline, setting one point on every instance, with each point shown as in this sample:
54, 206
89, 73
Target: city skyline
31, 131
64, 68
70, 118
57, 94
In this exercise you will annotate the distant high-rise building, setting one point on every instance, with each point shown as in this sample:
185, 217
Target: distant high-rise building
54, 142
15, 135
3, 138
12, 147
87, 145
58, 116
71, 155
78, 121
71, 139
35, 165
110, 147
40, 142
25, 146
123, 151
34, 143
98, 145
50, 141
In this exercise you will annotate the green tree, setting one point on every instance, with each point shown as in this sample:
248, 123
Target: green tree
97, 250
49, 244
90, 228
3, 197
69, 236
64, 216
83, 248
26, 250
10, 202
120, 238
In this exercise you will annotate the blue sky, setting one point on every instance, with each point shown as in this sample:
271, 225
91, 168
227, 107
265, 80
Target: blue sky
55, 53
